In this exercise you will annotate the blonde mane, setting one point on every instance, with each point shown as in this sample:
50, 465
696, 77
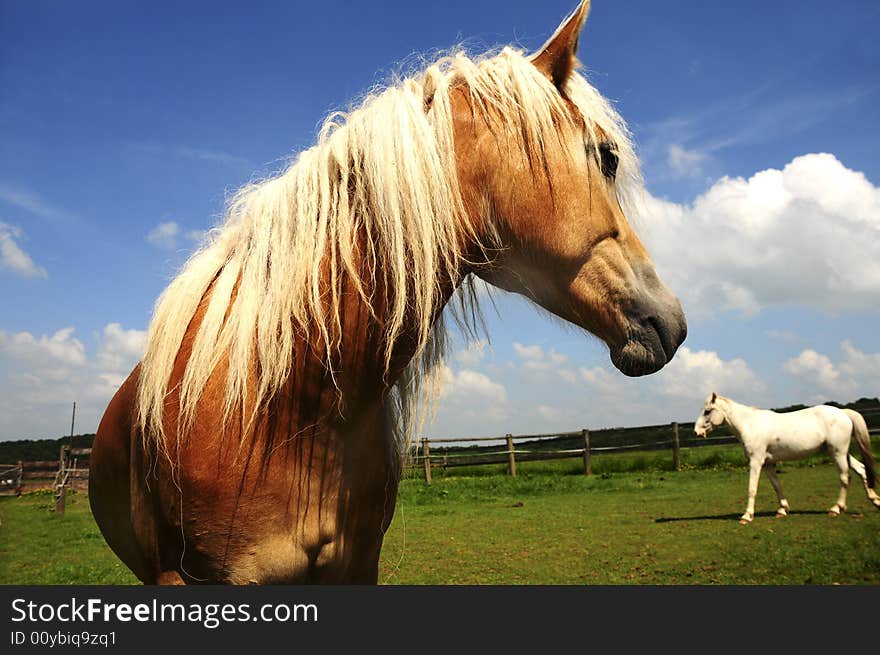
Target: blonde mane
384, 176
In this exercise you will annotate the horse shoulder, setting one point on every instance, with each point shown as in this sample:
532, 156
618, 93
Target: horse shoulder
753, 427
751, 437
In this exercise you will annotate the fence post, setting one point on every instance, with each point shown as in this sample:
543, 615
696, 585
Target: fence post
18, 482
676, 449
511, 459
587, 466
426, 459
61, 482
60, 499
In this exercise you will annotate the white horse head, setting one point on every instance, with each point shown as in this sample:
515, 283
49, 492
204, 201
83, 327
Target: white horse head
711, 417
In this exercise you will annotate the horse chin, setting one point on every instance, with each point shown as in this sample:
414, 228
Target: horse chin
654, 333
653, 336
640, 357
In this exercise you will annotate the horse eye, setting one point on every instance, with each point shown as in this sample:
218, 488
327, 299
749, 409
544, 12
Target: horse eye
609, 160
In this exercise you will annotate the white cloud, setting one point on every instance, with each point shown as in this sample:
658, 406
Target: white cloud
855, 372
788, 336
214, 156
695, 373
61, 348
568, 374
685, 380
546, 365
861, 366
535, 359
472, 355
552, 415
40, 376
815, 365
13, 258
188, 152
529, 353
684, 162
197, 236
471, 404
467, 384
598, 396
120, 347
806, 235
165, 235
31, 202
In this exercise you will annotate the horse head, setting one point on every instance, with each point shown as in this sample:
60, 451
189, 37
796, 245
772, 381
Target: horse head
550, 193
710, 417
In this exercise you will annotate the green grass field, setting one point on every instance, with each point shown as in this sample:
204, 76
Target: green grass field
550, 525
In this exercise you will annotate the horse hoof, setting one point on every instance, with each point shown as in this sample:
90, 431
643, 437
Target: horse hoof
781, 514
744, 521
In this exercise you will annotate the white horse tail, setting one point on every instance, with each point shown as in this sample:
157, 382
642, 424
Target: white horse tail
863, 440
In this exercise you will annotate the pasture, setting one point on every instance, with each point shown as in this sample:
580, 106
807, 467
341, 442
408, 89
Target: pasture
549, 525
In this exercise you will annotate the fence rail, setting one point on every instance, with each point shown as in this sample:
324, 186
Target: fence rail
512, 452
73, 463
70, 469
10, 478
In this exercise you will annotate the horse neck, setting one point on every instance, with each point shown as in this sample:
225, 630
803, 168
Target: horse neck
360, 379
734, 413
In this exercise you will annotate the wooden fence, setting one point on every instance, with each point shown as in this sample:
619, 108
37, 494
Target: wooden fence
538, 447
70, 470
72, 467
10, 479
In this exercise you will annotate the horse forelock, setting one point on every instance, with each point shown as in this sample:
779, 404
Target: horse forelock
375, 202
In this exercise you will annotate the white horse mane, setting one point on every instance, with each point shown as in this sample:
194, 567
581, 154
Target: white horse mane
385, 170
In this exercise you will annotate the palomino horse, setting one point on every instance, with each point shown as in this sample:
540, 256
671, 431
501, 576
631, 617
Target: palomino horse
769, 437
259, 439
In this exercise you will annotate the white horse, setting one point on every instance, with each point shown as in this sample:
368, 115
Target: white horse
769, 437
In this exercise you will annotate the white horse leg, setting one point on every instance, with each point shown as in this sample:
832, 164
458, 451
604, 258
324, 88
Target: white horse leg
754, 473
859, 468
841, 459
770, 470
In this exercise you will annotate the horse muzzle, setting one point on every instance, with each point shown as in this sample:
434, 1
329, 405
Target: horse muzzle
656, 327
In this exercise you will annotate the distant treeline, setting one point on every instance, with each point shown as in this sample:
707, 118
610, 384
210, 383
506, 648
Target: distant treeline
29, 450
47, 449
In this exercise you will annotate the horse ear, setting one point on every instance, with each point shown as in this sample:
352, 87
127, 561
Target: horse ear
714, 396
556, 58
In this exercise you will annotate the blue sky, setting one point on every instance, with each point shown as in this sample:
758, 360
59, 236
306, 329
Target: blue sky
123, 127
